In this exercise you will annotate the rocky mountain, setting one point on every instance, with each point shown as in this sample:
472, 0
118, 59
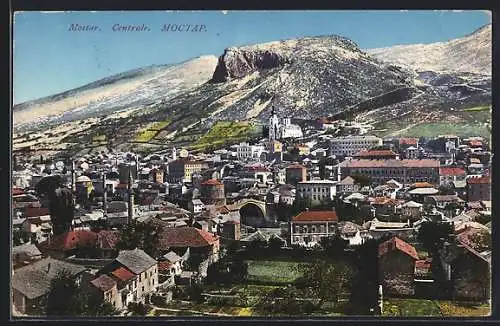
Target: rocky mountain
304, 78
139, 87
469, 54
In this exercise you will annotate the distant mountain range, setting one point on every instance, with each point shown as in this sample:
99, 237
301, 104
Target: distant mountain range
304, 78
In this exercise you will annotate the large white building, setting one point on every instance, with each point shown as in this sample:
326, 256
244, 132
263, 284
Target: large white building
245, 151
316, 190
285, 130
350, 145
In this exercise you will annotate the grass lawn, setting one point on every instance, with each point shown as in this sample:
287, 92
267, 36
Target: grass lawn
441, 128
432, 308
273, 272
150, 132
224, 131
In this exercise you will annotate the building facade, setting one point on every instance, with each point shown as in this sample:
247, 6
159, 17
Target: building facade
307, 228
403, 171
350, 145
316, 190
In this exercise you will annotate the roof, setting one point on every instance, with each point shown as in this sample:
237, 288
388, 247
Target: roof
70, 240
442, 198
375, 152
363, 163
122, 274
423, 191
411, 203
479, 180
422, 185
347, 227
255, 236
27, 248
408, 141
295, 166
396, 243
212, 182
164, 266
186, 237
347, 181
314, 216
34, 280
172, 257
83, 178
103, 282
136, 260
107, 239
36, 211
451, 171
385, 201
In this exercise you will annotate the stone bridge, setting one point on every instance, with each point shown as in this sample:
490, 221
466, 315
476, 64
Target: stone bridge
248, 201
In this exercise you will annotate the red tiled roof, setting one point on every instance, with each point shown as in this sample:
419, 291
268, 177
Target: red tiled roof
107, 239
316, 216
212, 182
422, 185
375, 152
186, 237
296, 166
384, 201
164, 266
17, 191
103, 283
70, 240
397, 244
36, 211
479, 180
123, 274
451, 171
408, 141
475, 143
423, 264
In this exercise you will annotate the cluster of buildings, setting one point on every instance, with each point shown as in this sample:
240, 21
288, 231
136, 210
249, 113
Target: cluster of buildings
357, 187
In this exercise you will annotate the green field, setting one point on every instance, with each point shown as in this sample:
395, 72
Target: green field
225, 131
274, 272
478, 108
436, 129
432, 308
147, 134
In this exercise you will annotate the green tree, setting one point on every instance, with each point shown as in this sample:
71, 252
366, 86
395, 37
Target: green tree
145, 236
20, 237
333, 245
434, 234
326, 280
362, 180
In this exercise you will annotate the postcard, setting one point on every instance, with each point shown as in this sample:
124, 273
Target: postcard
304, 164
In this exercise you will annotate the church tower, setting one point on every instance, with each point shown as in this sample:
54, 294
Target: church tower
273, 126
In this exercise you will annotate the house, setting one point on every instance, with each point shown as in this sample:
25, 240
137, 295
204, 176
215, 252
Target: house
307, 228
230, 230
467, 271
31, 284
199, 242
135, 274
448, 175
351, 232
347, 186
25, 254
446, 202
350, 145
411, 210
478, 188
316, 191
295, 173
387, 208
78, 242
396, 266
196, 206
378, 229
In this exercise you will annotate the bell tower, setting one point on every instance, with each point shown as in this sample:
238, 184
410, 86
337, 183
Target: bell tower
273, 126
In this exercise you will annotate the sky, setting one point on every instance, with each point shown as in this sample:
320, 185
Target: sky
48, 58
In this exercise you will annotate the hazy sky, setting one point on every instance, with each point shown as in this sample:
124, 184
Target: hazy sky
48, 58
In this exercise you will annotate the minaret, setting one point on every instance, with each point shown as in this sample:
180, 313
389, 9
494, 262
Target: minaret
105, 195
130, 197
73, 177
174, 153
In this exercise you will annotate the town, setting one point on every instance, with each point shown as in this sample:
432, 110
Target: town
328, 220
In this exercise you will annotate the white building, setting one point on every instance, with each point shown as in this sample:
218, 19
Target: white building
316, 190
350, 145
245, 151
290, 130
274, 128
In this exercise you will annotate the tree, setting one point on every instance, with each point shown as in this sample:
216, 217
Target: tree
326, 280
19, 237
145, 236
446, 190
481, 241
65, 298
333, 245
434, 234
362, 180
